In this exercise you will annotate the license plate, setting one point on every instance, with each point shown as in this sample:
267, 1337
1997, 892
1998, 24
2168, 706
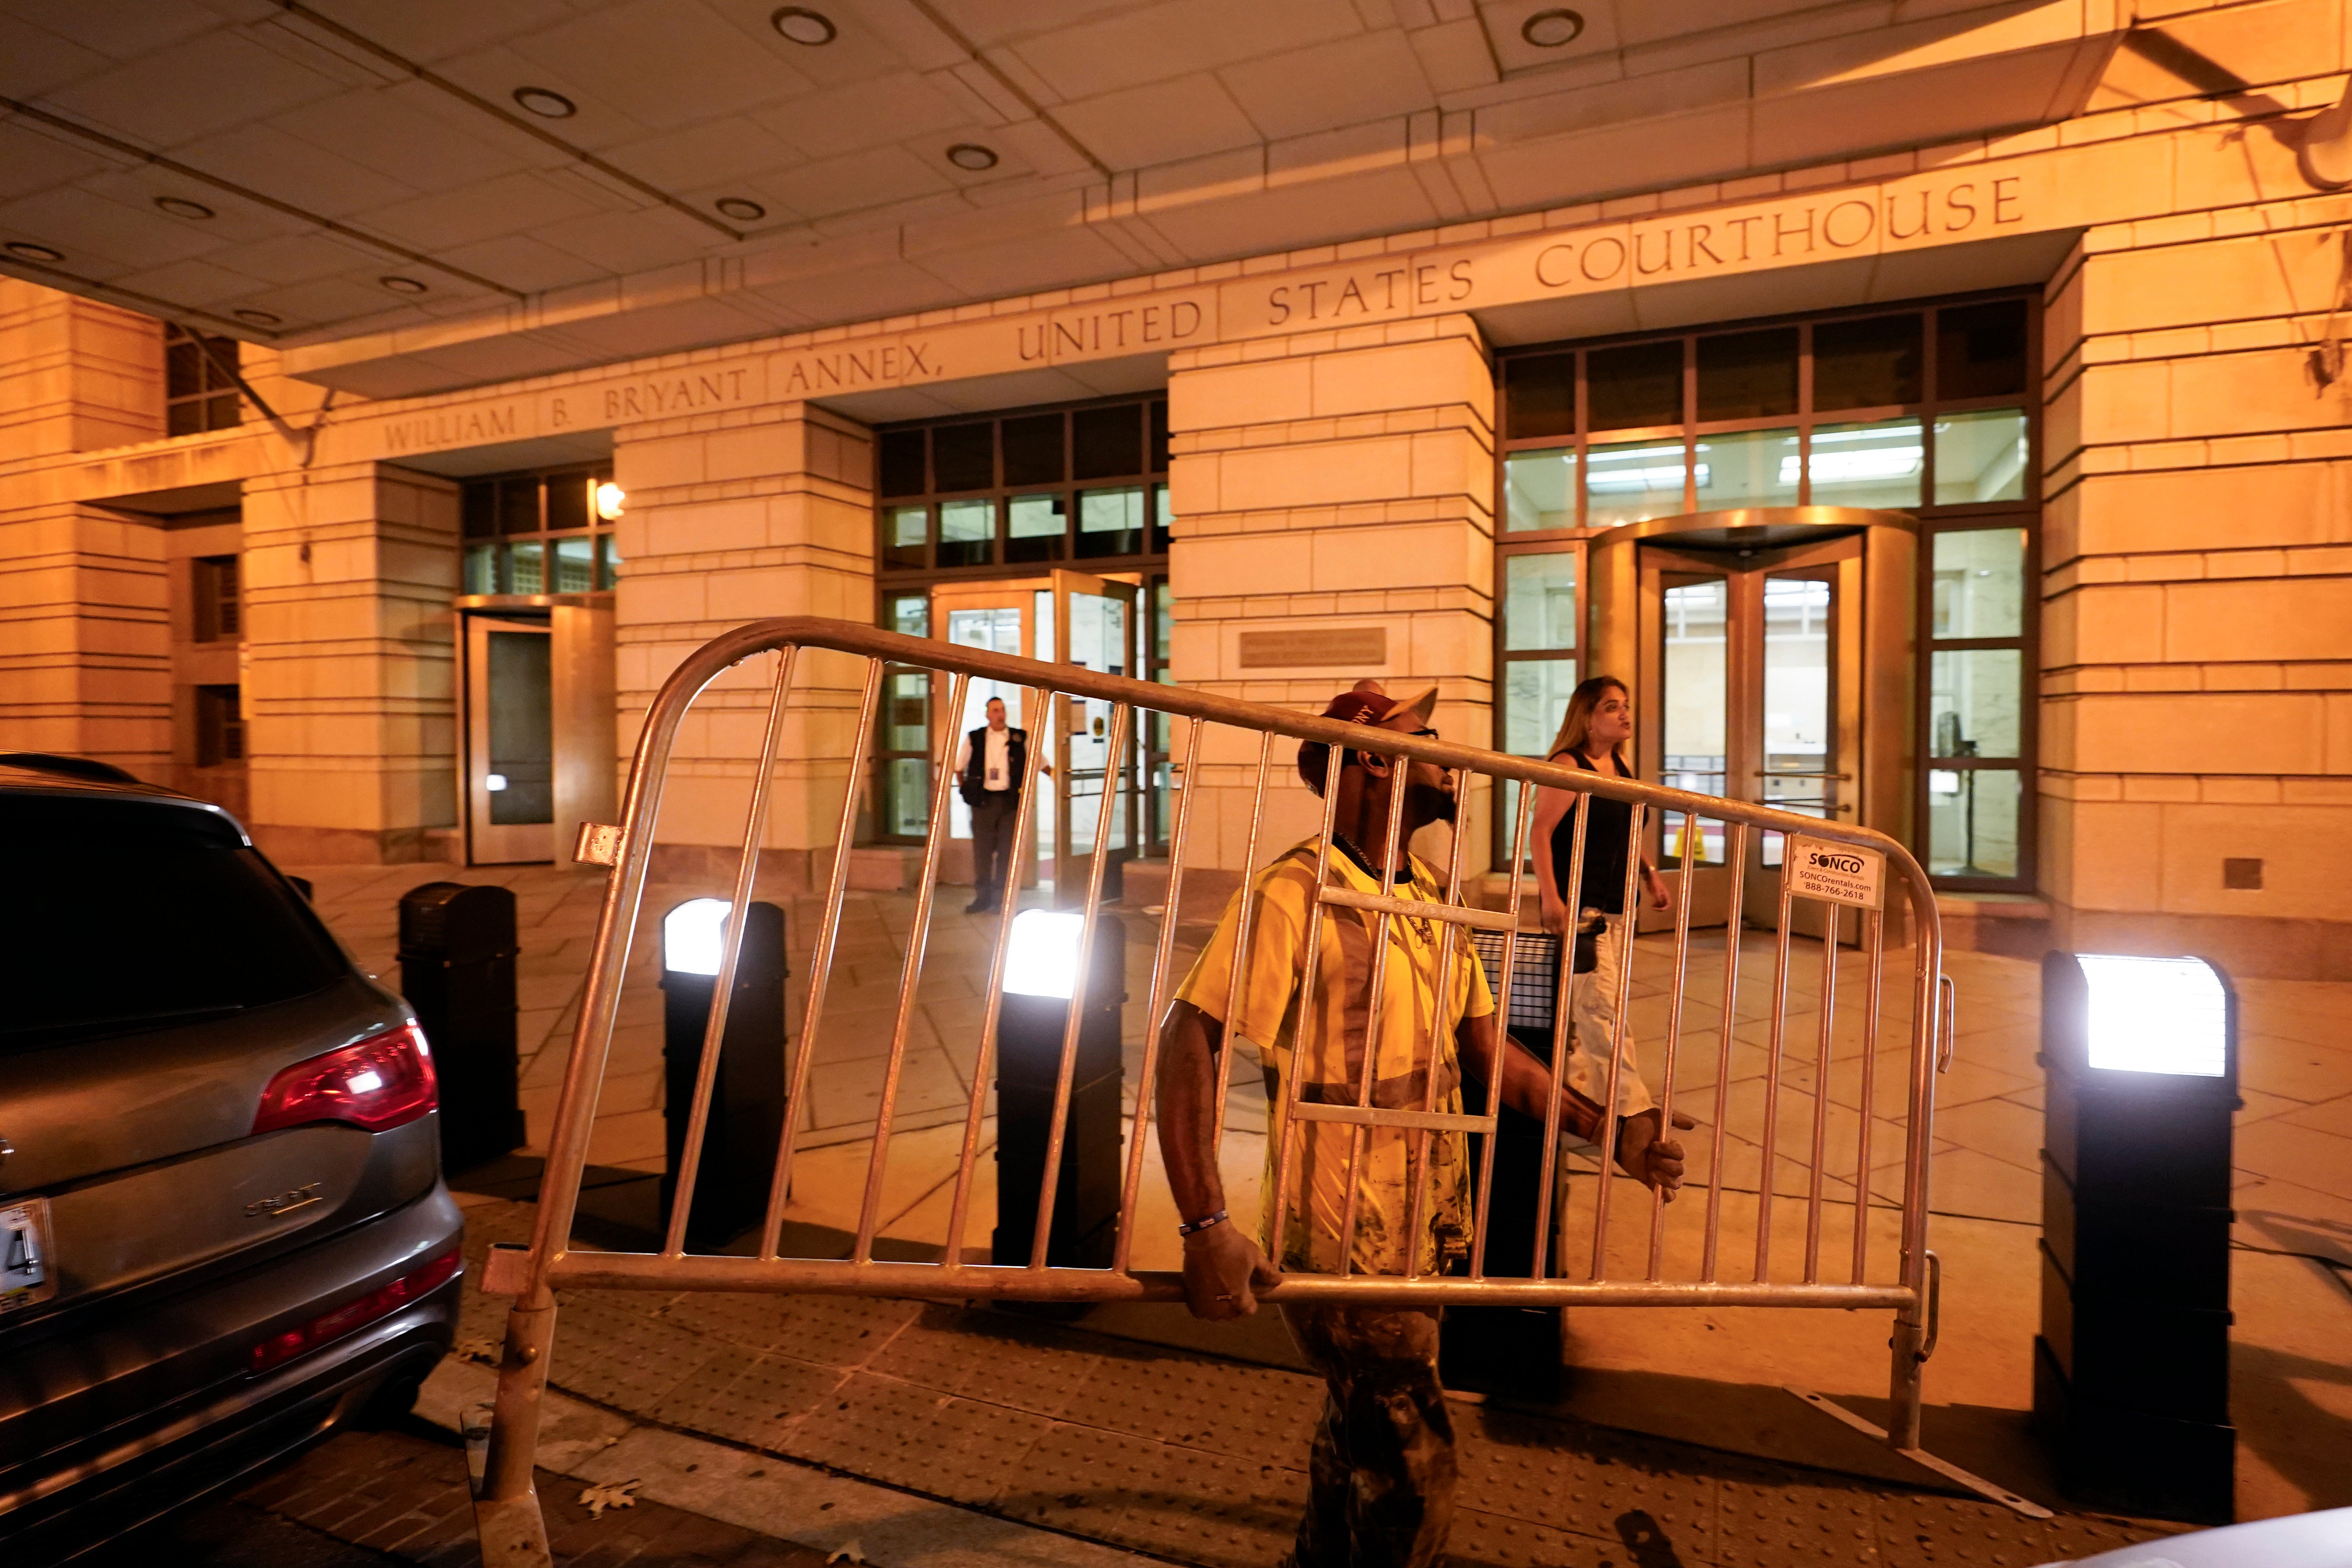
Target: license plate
28, 1273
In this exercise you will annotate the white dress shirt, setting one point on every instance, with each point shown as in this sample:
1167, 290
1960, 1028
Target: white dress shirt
996, 765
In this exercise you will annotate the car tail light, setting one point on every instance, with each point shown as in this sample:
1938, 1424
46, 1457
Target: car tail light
375, 1083
380, 1302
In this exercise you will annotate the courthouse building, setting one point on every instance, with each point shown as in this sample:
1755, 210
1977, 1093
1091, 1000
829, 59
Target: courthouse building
1936, 412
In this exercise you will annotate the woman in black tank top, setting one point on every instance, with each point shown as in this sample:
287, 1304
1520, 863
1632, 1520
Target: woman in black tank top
1593, 736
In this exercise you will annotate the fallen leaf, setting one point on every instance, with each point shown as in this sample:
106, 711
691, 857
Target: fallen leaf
612, 1494
480, 1350
847, 1551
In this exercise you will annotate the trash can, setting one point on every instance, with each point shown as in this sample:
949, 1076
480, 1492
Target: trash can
458, 970
746, 1125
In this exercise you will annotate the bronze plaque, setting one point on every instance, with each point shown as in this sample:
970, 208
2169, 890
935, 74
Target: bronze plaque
1321, 646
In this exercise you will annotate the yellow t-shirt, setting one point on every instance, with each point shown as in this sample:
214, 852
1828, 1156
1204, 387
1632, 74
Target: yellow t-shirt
1418, 1019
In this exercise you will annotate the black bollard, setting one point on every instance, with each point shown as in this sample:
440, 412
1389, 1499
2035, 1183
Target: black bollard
2131, 1370
747, 1097
458, 970
1037, 986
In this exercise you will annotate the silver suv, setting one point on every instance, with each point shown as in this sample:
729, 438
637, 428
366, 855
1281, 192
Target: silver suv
223, 1228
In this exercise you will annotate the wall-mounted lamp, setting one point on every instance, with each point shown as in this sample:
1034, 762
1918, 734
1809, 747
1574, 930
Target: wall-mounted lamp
611, 501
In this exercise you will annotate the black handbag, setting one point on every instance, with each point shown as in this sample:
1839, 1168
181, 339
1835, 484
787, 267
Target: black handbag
1588, 945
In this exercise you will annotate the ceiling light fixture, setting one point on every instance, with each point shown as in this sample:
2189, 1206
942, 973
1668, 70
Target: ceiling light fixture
31, 252
401, 285
802, 25
972, 155
739, 207
545, 103
1549, 30
259, 318
180, 207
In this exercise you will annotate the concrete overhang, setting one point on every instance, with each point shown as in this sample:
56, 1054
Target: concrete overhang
382, 215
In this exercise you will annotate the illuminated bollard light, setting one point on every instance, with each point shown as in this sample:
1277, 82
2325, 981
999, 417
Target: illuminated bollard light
2131, 1385
747, 1097
1040, 974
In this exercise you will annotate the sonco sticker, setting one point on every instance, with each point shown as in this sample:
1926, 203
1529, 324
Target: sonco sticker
1836, 872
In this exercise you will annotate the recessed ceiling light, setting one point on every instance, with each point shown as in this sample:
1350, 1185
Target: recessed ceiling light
736, 206
972, 155
1549, 30
802, 25
401, 285
31, 252
546, 104
259, 318
180, 207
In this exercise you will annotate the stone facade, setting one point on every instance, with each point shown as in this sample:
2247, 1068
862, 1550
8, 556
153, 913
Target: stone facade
738, 517
1333, 436
1331, 486
350, 656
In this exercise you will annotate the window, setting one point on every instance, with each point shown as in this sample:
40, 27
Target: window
220, 726
1979, 711
1710, 421
199, 390
1158, 606
1537, 655
902, 738
219, 611
538, 533
216, 931
1928, 409
1030, 488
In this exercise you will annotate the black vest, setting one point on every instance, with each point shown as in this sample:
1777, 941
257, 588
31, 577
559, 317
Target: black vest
975, 768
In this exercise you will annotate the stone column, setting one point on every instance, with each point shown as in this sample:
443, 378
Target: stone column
1334, 494
2197, 624
85, 643
732, 518
75, 375
85, 639
351, 659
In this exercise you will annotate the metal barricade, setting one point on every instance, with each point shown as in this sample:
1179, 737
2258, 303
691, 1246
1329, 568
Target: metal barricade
508, 1512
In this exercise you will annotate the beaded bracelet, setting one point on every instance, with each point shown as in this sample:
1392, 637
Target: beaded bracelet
1189, 1227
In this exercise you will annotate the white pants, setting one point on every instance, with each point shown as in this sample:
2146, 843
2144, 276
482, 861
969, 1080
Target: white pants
1592, 1024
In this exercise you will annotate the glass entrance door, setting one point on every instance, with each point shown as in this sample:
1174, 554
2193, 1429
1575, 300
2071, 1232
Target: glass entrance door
1751, 691
1000, 617
1094, 627
510, 741
1069, 617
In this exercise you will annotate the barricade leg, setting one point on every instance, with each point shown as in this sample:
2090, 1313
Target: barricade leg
507, 1519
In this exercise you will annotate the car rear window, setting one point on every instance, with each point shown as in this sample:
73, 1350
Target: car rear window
130, 915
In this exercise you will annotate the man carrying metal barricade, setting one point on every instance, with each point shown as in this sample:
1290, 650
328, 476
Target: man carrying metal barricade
1389, 1196
1366, 1039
